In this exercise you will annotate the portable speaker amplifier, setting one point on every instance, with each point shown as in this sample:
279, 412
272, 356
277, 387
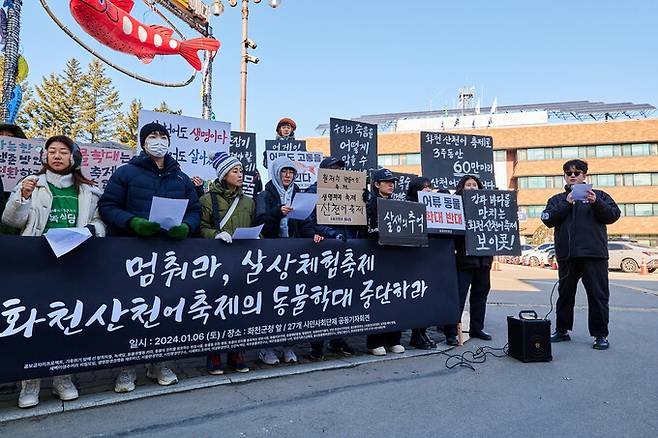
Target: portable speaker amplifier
529, 338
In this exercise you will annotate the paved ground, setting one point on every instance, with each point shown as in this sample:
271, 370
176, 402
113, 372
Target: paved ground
583, 392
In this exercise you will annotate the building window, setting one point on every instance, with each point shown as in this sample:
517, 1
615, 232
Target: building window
522, 182
522, 154
640, 150
643, 210
536, 182
536, 154
498, 155
570, 152
605, 151
413, 159
642, 179
605, 180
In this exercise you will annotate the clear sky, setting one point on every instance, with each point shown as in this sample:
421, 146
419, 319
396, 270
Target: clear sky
345, 58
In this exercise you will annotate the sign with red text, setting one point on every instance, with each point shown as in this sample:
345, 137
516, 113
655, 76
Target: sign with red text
445, 213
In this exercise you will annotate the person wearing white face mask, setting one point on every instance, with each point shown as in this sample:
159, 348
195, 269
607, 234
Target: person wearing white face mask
125, 208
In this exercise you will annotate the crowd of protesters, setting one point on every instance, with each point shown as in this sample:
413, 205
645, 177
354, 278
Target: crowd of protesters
60, 196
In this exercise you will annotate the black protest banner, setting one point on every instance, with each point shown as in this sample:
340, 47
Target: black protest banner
402, 186
114, 302
243, 147
492, 225
401, 223
445, 158
353, 142
285, 145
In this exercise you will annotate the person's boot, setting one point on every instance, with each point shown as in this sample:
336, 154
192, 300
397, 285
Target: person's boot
418, 341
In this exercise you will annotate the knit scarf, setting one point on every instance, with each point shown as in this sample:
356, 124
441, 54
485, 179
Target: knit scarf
59, 181
285, 194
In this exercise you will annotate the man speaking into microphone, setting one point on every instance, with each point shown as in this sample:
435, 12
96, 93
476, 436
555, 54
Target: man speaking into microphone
580, 215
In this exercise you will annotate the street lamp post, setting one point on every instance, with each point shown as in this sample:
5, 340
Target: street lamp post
246, 57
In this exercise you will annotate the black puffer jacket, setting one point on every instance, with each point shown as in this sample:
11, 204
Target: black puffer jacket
268, 213
580, 229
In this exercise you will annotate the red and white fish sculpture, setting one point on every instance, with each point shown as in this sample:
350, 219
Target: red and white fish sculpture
111, 24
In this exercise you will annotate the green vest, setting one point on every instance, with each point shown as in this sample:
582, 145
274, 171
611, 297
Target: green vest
64, 208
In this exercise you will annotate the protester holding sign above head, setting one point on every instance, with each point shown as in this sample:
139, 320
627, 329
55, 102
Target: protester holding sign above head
224, 209
58, 196
126, 204
473, 272
272, 208
419, 337
383, 187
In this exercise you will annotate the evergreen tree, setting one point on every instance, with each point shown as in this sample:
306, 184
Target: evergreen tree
28, 101
56, 105
164, 108
129, 123
100, 105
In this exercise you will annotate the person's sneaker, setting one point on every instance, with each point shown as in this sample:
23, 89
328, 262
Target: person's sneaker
125, 381
29, 395
289, 355
379, 351
398, 349
214, 364
236, 362
601, 343
64, 388
268, 357
341, 347
559, 336
162, 374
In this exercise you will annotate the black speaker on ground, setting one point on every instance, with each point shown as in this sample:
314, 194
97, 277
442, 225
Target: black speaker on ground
529, 338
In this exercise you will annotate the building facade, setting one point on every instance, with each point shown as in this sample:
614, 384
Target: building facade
622, 157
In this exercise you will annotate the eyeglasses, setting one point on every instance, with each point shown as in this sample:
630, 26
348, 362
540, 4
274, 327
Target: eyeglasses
576, 173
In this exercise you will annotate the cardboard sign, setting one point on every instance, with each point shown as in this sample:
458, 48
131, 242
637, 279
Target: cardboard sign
354, 142
445, 158
340, 197
20, 158
307, 164
445, 213
243, 147
193, 140
285, 145
492, 225
401, 223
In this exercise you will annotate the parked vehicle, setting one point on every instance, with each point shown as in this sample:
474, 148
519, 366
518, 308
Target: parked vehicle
628, 256
537, 256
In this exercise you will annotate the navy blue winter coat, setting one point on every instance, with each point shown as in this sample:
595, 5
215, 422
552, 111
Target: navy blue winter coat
131, 189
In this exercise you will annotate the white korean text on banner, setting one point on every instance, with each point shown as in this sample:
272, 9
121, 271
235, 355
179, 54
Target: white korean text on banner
446, 157
353, 142
193, 140
492, 225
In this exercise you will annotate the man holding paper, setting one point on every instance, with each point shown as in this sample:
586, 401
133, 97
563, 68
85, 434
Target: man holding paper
127, 207
580, 215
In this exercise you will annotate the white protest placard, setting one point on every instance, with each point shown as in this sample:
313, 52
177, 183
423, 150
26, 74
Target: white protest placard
22, 157
306, 163
168, 212
444, 211
193, 140
340, 197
